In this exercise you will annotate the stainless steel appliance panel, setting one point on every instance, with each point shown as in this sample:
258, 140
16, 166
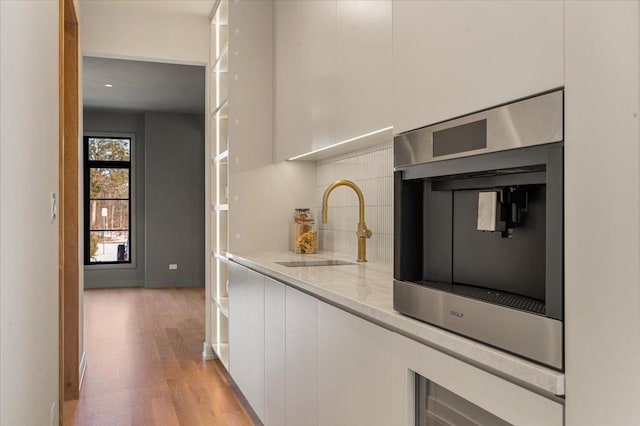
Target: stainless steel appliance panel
515, 125
532, 336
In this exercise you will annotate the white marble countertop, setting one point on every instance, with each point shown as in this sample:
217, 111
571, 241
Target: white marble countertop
367, 291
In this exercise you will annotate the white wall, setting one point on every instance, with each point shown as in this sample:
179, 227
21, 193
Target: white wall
28, 238
261, 205
602, 212
143, 33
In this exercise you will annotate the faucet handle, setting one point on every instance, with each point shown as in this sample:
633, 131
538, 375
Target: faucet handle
363, 232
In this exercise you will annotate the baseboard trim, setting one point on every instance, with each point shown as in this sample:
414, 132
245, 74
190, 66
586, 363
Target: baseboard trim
82, 368
173, 284
89, 285
207, 352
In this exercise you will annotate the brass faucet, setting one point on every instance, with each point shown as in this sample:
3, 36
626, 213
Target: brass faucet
363, 233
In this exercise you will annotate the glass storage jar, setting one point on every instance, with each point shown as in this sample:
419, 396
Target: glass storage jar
304, 238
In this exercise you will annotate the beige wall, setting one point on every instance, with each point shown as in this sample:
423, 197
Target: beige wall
145, 33
28, 236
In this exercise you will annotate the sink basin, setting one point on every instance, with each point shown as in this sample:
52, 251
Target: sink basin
300, 263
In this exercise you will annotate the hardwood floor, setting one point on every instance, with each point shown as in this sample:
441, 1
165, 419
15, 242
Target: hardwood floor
144, 363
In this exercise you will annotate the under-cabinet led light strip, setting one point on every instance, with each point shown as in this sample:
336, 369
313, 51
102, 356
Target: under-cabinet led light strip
308, 154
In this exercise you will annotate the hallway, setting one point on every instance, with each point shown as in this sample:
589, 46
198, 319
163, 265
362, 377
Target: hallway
144, 363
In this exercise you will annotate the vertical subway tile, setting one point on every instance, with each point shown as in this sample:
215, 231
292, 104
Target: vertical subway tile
371, 169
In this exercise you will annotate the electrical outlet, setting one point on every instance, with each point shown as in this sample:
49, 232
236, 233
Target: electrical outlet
173, 266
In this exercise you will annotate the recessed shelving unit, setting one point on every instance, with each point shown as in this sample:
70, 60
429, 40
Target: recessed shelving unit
219, 176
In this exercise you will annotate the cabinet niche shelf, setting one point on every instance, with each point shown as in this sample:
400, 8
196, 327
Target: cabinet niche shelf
222, 63
222, 110
219, 58
222, 157
223, 305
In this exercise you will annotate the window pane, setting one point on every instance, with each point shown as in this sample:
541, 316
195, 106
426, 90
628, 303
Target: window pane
108, 215
108, 183
109, 246
109, 149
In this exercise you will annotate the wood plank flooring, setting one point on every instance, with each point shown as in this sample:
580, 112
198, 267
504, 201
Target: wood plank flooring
144, 363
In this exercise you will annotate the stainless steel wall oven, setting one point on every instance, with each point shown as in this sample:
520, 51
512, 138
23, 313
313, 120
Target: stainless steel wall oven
478, 244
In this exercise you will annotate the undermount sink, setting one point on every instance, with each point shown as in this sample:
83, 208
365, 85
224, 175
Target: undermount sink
301, 263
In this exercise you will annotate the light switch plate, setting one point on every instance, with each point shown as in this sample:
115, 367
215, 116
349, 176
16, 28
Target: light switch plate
54, 207
173, 266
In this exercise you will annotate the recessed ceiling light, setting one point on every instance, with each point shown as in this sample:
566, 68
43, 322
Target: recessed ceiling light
108, 85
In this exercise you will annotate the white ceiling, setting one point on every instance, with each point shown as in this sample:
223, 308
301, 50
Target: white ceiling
181, 7
143, 86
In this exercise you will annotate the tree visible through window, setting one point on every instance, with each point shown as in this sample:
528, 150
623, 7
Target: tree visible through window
107, 200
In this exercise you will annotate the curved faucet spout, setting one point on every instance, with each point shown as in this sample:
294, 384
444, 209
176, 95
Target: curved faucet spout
363, 233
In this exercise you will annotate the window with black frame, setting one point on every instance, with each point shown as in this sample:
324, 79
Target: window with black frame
107, 200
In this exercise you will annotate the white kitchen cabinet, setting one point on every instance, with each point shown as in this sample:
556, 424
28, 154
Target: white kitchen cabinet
250, 85
274, 352
354, 370
301, 359
302, 362
364, 69
503, 399
305, 76
255, 335
246, 334
333, 73
238, 320
452, 58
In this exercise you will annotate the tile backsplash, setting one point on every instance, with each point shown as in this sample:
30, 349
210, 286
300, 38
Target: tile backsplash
372, 170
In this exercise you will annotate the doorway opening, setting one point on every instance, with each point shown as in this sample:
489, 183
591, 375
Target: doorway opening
144, 174
143, 225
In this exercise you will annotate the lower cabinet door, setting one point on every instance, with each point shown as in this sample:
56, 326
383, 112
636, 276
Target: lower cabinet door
255, 335
301, 359
238, 341
246, 334
354, 370
274, 353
